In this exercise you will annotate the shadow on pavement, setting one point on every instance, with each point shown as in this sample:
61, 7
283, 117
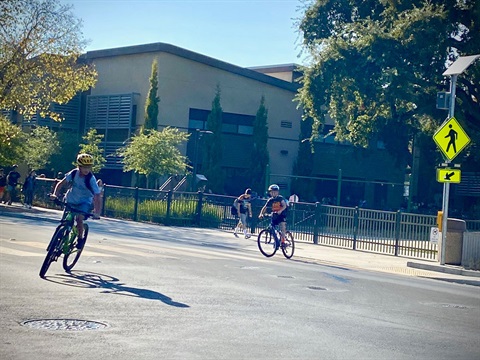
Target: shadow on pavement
111, 285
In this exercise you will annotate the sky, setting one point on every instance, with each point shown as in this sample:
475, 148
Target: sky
241, 32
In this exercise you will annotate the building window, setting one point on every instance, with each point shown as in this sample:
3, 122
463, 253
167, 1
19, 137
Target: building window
286, 124
231, 123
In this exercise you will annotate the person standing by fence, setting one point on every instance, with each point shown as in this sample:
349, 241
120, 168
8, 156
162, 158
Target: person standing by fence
3, 184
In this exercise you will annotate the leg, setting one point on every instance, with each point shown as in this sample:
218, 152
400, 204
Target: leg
80, 226
283, 229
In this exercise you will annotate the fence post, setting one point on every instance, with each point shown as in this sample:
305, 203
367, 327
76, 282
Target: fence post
104, 200
398, 220
198, 215
356, 218
135, 206
316, 223
169, 206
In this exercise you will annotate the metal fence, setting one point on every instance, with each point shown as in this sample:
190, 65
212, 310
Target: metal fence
395, 233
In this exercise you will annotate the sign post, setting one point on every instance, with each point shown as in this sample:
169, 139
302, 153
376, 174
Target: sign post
450, 147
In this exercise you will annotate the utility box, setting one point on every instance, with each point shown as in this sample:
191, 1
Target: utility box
443, 100
454, 241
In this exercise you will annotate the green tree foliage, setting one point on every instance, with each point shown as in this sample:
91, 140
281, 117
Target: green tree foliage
12, 142
40, 144
151, 104
69, 144
259, 158
91, 146
156, 153
377, 66
302, 185
212, 154
40, 43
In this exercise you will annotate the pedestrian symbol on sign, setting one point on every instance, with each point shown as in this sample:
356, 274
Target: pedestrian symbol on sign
451, 138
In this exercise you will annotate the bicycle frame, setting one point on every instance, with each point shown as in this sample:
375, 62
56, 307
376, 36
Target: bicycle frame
270, 239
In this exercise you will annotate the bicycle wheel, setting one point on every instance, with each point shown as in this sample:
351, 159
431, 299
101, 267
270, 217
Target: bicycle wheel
288, 247
73, 254
54, 250
266, 243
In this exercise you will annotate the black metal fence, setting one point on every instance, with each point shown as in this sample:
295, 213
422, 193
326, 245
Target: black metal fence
396, 233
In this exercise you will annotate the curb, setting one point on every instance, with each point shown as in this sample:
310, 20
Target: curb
443, 269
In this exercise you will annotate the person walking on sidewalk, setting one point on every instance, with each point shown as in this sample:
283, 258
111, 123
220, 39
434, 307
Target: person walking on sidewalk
28, 189
12, 182
244, 209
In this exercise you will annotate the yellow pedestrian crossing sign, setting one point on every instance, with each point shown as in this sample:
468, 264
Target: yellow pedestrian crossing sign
448, 175
451, 138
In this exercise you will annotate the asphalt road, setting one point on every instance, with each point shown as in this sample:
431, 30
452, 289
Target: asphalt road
152, 292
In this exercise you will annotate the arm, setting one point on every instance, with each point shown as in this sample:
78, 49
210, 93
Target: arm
249, 207
59, 187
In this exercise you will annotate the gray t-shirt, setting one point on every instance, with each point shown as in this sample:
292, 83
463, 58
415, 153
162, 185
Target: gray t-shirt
79, 193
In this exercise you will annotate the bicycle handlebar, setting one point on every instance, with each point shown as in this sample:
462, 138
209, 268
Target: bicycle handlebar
70, 208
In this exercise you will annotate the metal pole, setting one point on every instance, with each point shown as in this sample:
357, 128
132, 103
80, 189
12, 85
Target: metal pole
446, 186
195, 159
339, 186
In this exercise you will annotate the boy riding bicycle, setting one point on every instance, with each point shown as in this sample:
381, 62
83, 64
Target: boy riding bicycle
278, 205
83, 193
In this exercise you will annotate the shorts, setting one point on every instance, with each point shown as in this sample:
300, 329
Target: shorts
83, 207
277, 219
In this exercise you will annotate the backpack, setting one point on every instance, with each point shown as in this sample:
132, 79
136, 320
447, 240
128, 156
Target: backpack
87, 180
233, 210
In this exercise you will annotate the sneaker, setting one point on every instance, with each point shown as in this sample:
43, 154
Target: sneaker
247, 236
235, 234
81, 243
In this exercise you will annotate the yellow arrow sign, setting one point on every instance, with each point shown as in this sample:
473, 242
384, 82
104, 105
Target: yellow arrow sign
451, 138
448, 175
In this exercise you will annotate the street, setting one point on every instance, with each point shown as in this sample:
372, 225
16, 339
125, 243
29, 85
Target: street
143, 291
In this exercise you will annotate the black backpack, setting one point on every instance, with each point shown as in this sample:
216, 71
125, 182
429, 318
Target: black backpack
87, 180
233, 210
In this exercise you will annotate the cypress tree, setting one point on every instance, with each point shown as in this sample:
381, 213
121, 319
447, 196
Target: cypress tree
259, 158
151, 104
213, 153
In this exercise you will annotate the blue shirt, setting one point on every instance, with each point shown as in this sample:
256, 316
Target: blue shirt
79, 193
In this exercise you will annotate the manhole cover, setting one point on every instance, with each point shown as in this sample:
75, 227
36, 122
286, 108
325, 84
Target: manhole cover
316, 288
64, 324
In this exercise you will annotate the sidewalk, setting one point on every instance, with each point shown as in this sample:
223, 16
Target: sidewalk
320, 254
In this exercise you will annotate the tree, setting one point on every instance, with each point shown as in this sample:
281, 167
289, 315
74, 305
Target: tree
155, 153
92, 147
212, 154
40, 45
302, 185
69, 145
377, 67
151, 104
12, 142
259, 157
40, 144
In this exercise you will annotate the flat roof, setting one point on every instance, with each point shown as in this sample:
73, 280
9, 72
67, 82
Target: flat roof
187, 54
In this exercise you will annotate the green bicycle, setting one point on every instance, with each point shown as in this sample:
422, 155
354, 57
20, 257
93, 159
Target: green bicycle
65, 239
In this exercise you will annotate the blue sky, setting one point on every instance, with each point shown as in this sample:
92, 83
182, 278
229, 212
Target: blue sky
241, 32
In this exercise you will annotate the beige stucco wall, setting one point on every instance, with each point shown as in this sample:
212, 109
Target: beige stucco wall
185, 84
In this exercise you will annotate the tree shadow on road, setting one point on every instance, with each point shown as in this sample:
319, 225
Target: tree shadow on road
112, 285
